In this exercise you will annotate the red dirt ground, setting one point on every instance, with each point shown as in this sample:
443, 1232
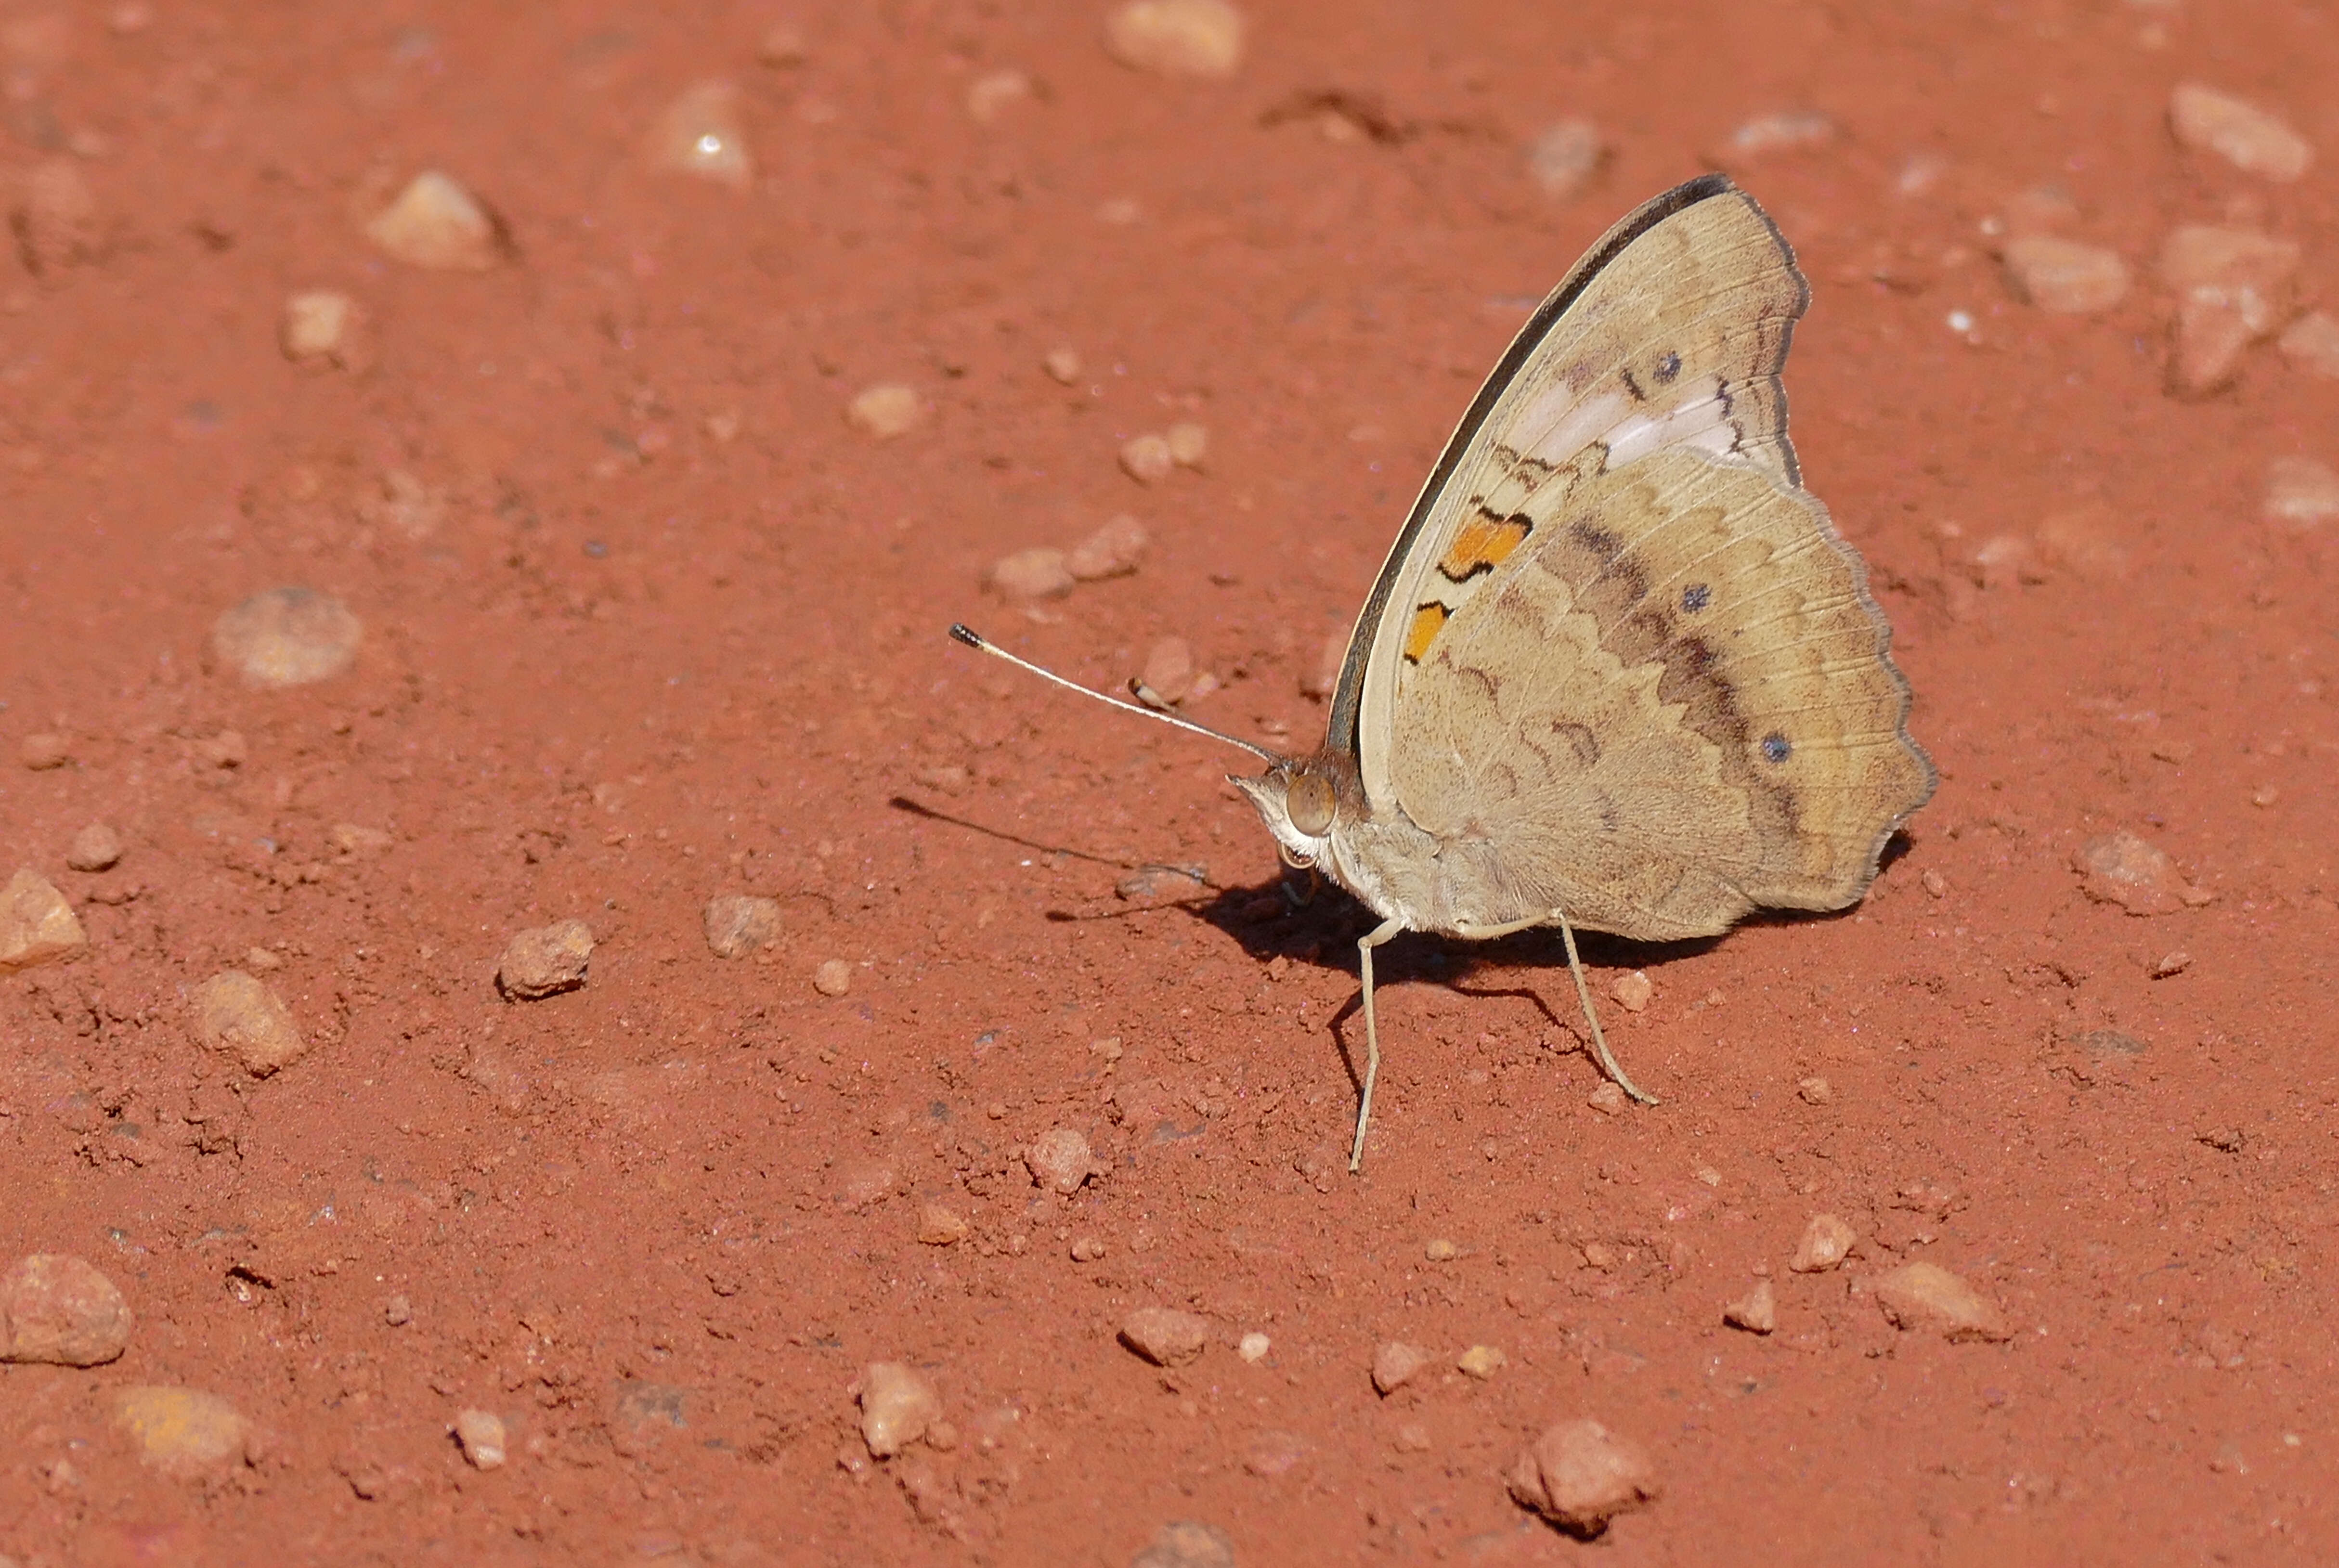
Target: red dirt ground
616, 663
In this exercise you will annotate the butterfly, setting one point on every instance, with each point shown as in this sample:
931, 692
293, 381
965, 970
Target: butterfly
1619, 672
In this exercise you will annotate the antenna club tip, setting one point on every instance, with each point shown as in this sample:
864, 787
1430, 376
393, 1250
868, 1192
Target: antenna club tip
961, 633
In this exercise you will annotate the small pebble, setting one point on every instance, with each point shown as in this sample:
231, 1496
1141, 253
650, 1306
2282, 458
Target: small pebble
1165, 1336
994, 92
2247, 137
1147, 458
1757, 1311
1563, 159
1935, 884
1201, 38
262, 959
321, 325
1608, 1100
2312, 343
1633, 990
1321, 681
546, 960
1816, 1091
36, 924
738, 924
1253, 1346
44, 750
2064, 275
2301, 492
1169, 670
1274, 1452
1395, 1364
398, 1312
1481, 1362
1114, 550
59, 1311
1086, 1250
2170, 963
1926, 1296
2232, 289
1041, 572
1440, 1250
1580, 1476
180, 1431
481, 1433
886, 411
1411, 1437
2123, 869
1826, 1242
438, 225
941, 1227
96, 847
286, 638
1059, 1159
832, 978
1063, 364
701, 133
1187, 1544
1189, 444
898, 1405
1787, 130
245, 1017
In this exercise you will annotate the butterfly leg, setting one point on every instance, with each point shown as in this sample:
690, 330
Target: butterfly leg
1365, 945
1584, 994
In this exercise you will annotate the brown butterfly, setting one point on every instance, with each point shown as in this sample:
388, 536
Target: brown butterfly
1619, 671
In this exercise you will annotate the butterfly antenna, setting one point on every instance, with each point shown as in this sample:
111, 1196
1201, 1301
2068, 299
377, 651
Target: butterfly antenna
976, 640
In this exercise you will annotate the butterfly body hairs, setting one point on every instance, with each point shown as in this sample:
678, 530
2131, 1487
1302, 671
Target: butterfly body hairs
1619, 671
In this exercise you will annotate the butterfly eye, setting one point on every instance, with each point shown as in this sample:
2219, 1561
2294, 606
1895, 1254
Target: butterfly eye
1309, 803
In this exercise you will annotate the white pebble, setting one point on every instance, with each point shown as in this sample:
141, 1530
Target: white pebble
1188, 444
1564, 158
321, 325
436, 224
2232, 289
898, 1406
832, 978
1756, 1312
1063, 364
1165, 1336
886, 411
1633, 990
2300, 491
481, 1433
1786, 131
1200, 38
1059, 1159
2312, 343
545, 960
2248, 137
1253, 1346
1170, 669
1147, 458
1042, 572
701, 133
2064, 275
1826, 1242
287, 638
1923, 1295
1114, 550
737, 924
993, 93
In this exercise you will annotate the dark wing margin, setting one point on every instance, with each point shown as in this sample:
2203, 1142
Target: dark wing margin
1347, 696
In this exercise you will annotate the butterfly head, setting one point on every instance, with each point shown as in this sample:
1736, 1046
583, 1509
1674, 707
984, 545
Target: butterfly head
1302, 801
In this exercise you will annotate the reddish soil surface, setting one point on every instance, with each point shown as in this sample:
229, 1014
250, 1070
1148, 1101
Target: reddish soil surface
646, 621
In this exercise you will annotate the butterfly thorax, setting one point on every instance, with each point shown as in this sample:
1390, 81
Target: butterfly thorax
1316, 810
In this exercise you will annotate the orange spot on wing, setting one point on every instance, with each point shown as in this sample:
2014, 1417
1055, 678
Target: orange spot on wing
1483, 544
1427, 622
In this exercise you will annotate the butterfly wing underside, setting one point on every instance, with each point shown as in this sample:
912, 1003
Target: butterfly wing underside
1619, 663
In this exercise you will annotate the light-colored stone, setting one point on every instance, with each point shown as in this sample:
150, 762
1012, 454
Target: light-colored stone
1783, 131
1397, 1363
36, 924
1441, 1249
545, 960
886, 411
1253, 1346
940, 1226
1169, 670
994, 92
323, 326
1063, 364
1059, 1159
1114, 550
43, 751
2234, 288
1147, 458
737, 923
1041, 572
1925, 1296
832, 978
898, 1406
2123, 869
2312, 343
2064, 275
1201, 38
1580, 1476
286, 638
96, 847
1330, 654
354, 839
1187, 1544
1607, 1098
702, 134
180, 1432
1165, 1336
1757, 1311
58, 1310
1633, 990
1826, 1242
2301, 492
1815, 1090
1563, 157
1481, 1361
481, 1435
436, 224
1188, 443
244, 1017
2247, 137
